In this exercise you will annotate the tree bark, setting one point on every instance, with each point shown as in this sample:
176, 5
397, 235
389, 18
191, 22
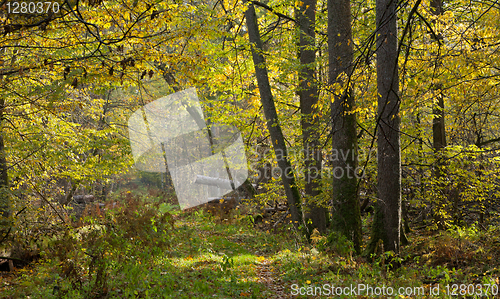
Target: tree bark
277, 138
315, 215
4, 180
346, 210
388, 223
438, 127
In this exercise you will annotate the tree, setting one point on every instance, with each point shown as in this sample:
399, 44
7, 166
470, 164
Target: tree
346, 210
438, 127
278, 141
387, 226
4, 180
308, 93
438, 124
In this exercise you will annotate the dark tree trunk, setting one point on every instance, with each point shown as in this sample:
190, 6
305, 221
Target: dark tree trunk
438, 127
388, 216
437, 7
346, 211
4, 181
314, 215
278, 140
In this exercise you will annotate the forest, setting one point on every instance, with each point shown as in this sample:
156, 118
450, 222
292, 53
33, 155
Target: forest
249, 149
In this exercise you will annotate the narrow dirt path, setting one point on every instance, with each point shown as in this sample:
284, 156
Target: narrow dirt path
267, 275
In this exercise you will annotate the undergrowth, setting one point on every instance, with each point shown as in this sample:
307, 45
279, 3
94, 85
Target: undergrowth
139, 248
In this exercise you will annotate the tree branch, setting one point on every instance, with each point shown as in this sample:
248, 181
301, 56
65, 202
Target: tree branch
281, 15
272, 10
481, 144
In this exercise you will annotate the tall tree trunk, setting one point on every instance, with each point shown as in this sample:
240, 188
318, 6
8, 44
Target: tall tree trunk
438, 127
346, 212
4, 180
315, 215
387, 226
277, 138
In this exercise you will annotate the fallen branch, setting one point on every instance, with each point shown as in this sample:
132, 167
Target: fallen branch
218, 182
13, 259
281, 219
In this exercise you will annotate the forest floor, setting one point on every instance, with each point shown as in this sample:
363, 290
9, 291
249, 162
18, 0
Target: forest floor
155, 252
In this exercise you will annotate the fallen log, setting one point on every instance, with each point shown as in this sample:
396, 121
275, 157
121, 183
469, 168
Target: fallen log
221, 183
